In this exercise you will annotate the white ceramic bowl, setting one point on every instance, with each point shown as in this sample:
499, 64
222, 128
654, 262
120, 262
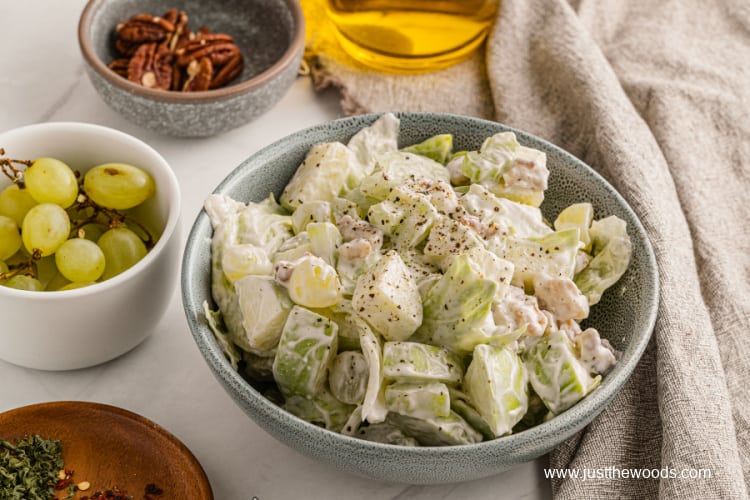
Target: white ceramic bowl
64, 330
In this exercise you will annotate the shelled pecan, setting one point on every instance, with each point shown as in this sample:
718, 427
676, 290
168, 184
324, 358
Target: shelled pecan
144, 28
228, 72
151, 66
162, 52
218, 46
200, 73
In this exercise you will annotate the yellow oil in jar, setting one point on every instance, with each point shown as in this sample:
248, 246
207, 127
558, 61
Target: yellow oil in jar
411, 36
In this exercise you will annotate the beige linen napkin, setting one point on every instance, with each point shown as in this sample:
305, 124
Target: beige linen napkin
655, 95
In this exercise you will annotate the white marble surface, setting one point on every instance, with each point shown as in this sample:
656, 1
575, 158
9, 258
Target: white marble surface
165, 379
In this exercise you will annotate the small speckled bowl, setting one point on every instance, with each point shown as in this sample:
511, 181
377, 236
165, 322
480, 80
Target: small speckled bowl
269, 33
625, 315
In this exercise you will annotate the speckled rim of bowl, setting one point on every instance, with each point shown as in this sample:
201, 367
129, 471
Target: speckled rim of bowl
526, 443
170, 225
297, 45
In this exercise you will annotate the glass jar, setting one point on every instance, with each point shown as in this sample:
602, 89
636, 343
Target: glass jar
411, 35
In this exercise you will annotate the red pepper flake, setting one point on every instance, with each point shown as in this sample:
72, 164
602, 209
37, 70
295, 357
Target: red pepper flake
64, 479
153, 492
113, 494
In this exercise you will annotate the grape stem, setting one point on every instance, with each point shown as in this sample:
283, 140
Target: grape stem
10, 170
26, 268
113, 218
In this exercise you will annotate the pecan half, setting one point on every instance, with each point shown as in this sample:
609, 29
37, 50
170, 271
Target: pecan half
219, 53
181, 34
162, 67
141, 62
120, 66
126, 48
200, 73
202, 39
151, 66
177, 78
171, 16
143, 28
229, 72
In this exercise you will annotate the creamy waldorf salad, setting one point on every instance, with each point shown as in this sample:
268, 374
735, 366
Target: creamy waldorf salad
415, 296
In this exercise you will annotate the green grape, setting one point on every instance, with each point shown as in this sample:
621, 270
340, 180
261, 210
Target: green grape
55, 282
46, 270
15, 203
51, 181
45, 228
3, 267
80, 260
10, 237
76, 284
118, 185
122, 250
23, 282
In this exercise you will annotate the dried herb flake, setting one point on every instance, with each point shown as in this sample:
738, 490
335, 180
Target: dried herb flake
28, 468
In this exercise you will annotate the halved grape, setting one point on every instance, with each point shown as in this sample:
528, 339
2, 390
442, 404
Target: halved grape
80, 260
10, 237
23, 282
49, 180
45, 228
15, 203
118, 185
122, 249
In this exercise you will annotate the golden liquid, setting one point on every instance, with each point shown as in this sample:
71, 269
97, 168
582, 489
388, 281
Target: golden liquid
411, 36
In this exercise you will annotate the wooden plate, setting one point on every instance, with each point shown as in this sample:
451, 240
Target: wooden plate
108, 446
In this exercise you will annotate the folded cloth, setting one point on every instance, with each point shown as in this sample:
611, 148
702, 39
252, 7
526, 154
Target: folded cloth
656, 97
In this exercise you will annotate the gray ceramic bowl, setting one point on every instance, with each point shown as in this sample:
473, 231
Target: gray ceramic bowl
269, 33
625, 315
